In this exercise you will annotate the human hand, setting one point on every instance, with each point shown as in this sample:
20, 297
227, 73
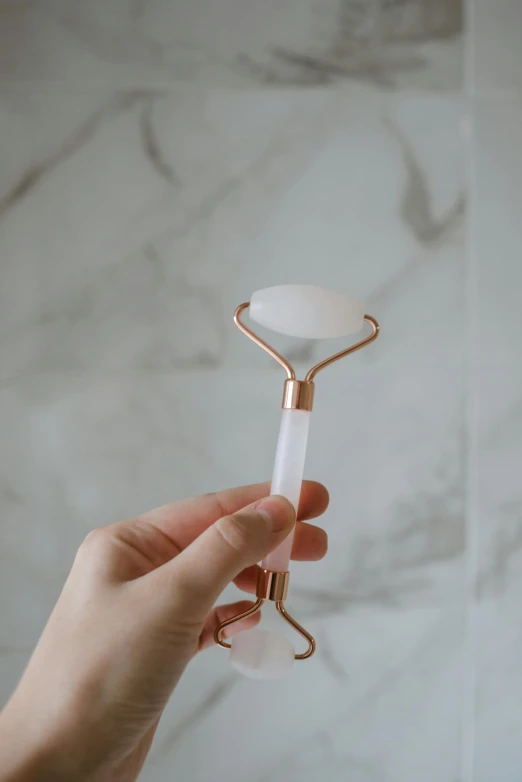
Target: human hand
136, 607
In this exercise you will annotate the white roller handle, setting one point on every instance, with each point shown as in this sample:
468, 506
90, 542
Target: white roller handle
288, 476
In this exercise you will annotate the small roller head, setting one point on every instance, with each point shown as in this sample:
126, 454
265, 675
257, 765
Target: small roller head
261, 654
306, 311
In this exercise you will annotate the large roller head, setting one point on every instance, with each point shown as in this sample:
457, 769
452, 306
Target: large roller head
306, 311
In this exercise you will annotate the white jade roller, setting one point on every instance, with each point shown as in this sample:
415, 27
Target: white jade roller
311, 313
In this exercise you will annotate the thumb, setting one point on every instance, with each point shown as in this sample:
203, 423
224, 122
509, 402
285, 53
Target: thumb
203, 570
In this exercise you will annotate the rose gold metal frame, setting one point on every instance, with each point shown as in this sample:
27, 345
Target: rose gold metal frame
261, 342
272, 585
300, 629
218, 633
280, 606
298, 395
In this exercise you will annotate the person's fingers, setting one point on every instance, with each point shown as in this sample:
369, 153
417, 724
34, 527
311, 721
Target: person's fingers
313, 501
130, 549
221, 614
182, 522
310, 545
196, 578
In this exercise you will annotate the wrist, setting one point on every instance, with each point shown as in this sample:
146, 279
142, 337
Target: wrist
29, 752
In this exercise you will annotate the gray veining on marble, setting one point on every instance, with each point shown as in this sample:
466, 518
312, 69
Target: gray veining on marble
308, 43
176, 252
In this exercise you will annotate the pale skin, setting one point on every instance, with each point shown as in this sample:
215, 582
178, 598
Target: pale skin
137, 606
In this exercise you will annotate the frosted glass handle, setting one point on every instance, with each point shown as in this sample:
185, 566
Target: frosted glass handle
288, 476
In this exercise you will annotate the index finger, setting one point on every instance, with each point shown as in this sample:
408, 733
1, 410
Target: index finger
184, 521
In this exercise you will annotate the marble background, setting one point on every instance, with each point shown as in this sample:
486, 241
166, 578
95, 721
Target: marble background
159, 161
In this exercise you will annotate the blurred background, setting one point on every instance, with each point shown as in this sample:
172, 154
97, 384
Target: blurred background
159, 161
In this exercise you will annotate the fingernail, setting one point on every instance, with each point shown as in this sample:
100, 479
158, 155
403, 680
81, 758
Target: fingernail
279, 512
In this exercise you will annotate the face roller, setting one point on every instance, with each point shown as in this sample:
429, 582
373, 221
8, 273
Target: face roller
312, 313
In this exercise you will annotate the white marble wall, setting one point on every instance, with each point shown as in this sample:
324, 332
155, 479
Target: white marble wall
159, 161
495, 405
